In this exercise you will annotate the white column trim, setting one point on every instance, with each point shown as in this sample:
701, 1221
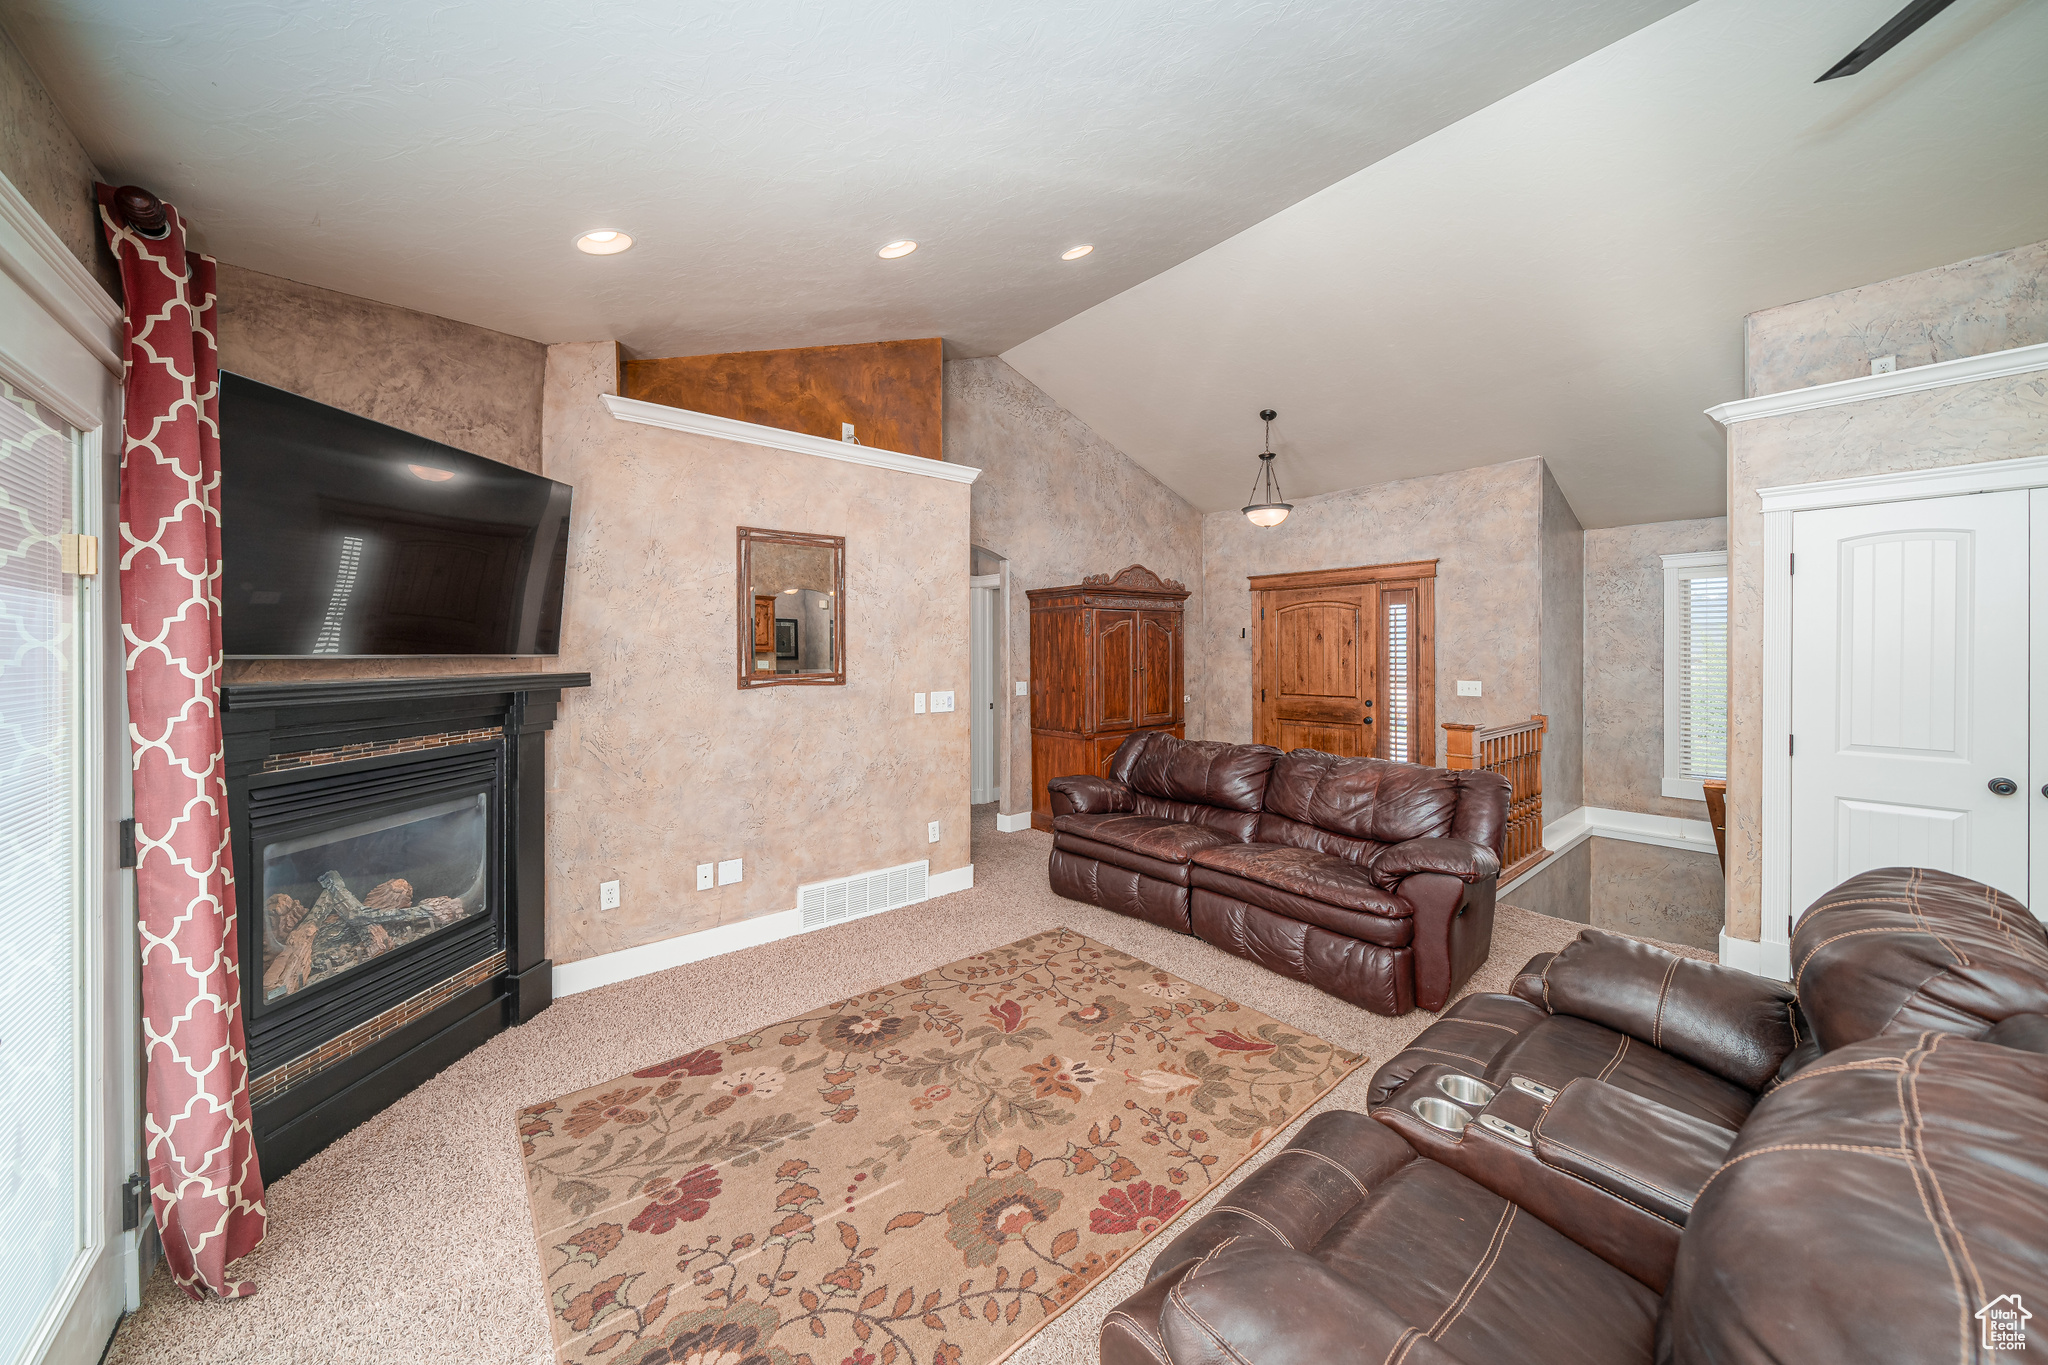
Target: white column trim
1942, 373
1774, 806
801, 443
606, 969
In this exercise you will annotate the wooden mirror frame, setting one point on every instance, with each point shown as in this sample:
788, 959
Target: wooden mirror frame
749, 536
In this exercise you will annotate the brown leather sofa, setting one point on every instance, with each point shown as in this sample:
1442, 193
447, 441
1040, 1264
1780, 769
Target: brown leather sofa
1371, 880
1653, 1162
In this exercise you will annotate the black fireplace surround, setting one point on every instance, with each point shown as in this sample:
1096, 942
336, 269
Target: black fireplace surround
388, 843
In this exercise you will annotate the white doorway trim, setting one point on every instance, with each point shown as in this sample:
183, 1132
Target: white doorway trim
986, 621
1774, 816
60, 344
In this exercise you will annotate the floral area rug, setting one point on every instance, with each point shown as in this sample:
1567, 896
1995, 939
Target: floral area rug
922, 1175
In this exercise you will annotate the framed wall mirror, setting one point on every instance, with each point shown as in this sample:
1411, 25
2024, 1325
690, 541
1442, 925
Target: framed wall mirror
792, 605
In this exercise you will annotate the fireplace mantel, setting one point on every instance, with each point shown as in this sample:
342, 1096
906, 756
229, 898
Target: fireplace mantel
352, 1049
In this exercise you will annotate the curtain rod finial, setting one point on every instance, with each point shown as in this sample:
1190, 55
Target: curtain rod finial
141, 210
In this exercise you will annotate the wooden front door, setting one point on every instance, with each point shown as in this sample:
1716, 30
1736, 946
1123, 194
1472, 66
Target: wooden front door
1116, 669
1317, 669
1158, 677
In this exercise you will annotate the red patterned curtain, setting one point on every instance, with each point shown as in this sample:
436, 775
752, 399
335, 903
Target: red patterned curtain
204, 1183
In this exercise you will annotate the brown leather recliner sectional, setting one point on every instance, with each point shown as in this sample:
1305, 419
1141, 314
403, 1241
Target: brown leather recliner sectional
1637, 1157
1371, 880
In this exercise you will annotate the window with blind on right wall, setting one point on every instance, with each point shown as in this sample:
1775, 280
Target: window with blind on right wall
1695, 671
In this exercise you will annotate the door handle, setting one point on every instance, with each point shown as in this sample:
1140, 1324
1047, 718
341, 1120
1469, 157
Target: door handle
2003, 786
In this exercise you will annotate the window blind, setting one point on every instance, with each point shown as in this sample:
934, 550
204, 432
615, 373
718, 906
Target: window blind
1703, 675
1398, 719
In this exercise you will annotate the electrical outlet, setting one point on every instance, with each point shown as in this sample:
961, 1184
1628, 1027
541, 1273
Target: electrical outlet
932, 832
1467, 688
729, 872
942, 701
608, 896
917, 703
1023, 689
1884, 364
703, 876
846, 433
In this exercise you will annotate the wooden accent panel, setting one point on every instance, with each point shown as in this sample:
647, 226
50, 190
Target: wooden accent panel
1516, 753
890, 390
1106, 660
1323, 675
764, 625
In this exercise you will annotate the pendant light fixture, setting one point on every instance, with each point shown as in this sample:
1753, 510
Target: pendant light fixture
1266, 508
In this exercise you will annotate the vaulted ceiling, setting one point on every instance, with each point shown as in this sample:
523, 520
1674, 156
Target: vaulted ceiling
444, 156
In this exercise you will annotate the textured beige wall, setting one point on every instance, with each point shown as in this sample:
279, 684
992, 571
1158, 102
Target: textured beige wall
39, 154
1986, 304
663, 763
1654, 892
1625, 662
1562, 886
1482, 526
1977, 305
1059, 503
472, 388
1561, 689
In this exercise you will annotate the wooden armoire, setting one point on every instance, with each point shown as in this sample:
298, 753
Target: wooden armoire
1106, 660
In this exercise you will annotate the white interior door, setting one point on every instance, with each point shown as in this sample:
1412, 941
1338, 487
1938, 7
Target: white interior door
984, 600
2035, 783
1910, 691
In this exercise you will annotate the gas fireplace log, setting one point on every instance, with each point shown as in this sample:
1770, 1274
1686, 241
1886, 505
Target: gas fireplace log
361, 915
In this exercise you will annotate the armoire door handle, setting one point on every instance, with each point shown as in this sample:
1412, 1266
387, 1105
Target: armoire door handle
2002, 786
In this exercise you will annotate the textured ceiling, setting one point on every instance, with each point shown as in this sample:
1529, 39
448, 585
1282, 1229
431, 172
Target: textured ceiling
444, 155
1564, 274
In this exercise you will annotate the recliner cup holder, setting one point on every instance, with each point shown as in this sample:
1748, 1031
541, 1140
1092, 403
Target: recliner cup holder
1442, 1114
1466, 1090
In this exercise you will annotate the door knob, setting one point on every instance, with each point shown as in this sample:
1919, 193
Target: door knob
2003, 786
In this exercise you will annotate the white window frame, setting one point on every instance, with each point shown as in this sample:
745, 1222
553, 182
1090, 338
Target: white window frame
1678, 568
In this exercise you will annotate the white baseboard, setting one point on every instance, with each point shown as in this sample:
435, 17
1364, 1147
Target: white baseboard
606, 969
1745, 953
1010, 824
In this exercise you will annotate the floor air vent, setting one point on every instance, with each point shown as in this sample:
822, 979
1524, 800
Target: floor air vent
867, 893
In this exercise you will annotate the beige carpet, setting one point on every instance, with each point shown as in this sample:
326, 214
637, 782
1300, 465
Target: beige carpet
409, 1239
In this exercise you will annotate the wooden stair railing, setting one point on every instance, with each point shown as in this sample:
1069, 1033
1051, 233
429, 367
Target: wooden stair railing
1516, 753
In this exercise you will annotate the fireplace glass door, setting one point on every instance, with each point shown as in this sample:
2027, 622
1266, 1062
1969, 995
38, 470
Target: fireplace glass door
343, 896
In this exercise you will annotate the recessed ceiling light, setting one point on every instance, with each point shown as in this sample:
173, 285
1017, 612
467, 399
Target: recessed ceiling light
431, 474
605, 242
1075, 253
895, 249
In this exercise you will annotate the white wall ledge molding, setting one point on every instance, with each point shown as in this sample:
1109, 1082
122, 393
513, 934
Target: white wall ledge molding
1967, 369
606, 969
801, 443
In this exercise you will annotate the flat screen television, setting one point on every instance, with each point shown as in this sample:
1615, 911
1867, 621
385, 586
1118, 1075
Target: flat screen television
342, 537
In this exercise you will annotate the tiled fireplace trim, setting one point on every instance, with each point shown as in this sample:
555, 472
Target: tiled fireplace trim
283, 1078
347, 753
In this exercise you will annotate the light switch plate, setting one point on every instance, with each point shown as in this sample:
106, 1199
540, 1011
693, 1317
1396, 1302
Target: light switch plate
942, 701
608, 896
917, 703
729, 872
932, 832
703, 876
1023, 689
1467, 688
